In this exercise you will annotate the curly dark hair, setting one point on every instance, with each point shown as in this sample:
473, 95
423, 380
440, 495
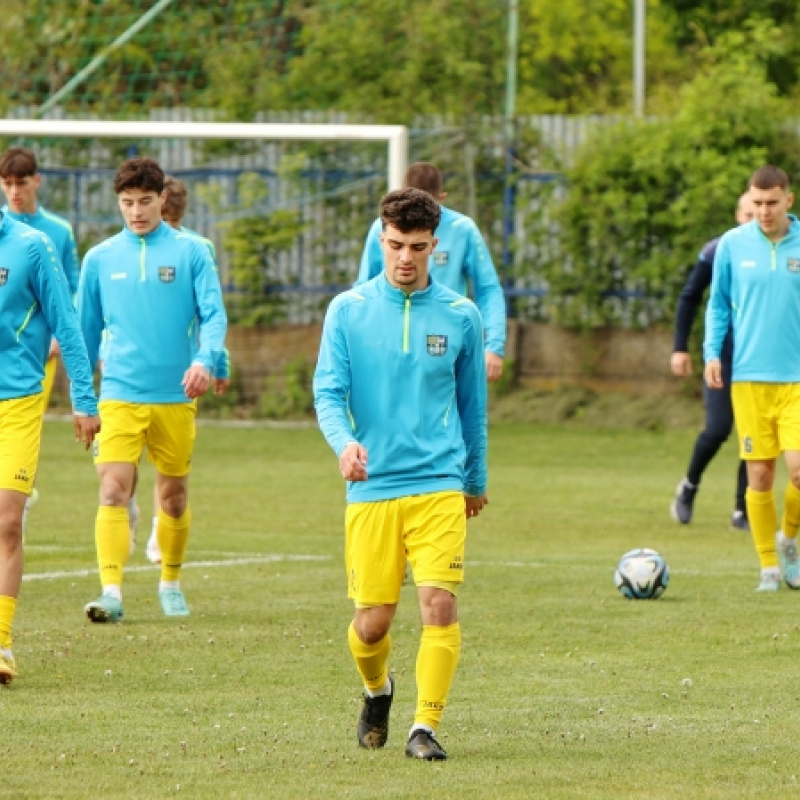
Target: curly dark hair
139, 173
410, 210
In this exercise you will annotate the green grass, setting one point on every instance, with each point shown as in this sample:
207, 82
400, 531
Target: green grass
564, 689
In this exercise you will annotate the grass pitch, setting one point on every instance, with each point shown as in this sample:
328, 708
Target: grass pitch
564, 689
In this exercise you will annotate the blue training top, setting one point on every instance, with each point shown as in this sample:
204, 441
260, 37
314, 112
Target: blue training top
35, 304
60, 232
405, 376
756, 289
461, 256
159, 300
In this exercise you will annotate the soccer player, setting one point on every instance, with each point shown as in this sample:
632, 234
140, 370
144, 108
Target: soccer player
155, 291
173, 211
755, 289
35, 304
20, 181
461, 257
400, 393
719, 411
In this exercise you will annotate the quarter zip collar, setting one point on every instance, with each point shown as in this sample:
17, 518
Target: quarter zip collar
156, 233
396, 295
28, 219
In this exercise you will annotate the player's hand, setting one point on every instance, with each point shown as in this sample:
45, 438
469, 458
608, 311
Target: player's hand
221, 385
681, 364
474, 504
494, 367
196, 381
713, 374
55, 349
353, 462
86, 428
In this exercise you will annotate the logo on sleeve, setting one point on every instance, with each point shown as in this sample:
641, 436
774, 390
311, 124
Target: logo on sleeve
748, 264
440, 258
437, 344
3, 276
166, 274
793, 264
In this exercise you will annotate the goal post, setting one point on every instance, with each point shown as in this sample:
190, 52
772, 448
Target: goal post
395, 136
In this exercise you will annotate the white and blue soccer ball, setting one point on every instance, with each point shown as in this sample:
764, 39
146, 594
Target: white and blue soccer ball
642, 574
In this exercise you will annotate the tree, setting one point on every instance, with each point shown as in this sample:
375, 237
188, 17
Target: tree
643, 197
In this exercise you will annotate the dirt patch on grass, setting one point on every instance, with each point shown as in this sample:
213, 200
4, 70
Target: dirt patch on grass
596, 410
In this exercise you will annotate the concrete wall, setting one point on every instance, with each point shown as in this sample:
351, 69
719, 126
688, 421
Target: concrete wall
611, 359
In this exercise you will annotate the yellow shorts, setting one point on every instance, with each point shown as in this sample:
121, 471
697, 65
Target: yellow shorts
428, 530
167, 429
767, 418
50, 368
20, 438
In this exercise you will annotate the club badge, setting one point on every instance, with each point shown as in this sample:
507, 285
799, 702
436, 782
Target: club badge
166, 274
440, 258
3, 276
793, 264
437, 345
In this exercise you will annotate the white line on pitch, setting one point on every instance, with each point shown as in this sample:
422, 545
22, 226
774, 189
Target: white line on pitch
234, 562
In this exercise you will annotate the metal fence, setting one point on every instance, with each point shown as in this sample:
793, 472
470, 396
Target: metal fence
334, 192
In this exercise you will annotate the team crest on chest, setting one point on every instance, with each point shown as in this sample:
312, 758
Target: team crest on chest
440, 258
3, 276
437, 344
166, 274
793, 264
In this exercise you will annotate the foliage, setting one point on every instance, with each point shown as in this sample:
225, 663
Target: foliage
254, 236
575, 55
697, 24
289, 395
392, 60
645, 196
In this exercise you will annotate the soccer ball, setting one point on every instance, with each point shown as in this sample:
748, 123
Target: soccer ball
642, 574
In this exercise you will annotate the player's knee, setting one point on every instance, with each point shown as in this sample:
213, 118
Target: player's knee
438, 607
174, 504
372, 624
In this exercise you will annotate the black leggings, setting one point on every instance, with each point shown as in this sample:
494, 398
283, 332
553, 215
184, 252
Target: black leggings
719, 424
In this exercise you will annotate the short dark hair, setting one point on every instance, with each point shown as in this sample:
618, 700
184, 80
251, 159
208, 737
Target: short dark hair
139, 173
410, 210
177, 198
425, 176
18, 162
769, 177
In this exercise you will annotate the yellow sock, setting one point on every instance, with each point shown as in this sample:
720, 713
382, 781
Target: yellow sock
791, 511
763, 524
371, 659
436, 665
8, 605
112, 537
173, 537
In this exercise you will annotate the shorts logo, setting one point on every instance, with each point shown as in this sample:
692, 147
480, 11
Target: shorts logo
166, 274
747, 444
440, 258
3, 276
22, 475
793, 264
437, 345
96, 448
